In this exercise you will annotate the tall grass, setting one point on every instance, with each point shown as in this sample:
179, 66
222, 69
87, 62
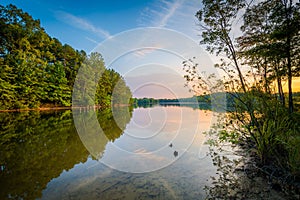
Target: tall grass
275, 135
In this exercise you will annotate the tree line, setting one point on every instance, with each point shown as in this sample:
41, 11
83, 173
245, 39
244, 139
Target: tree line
38, 70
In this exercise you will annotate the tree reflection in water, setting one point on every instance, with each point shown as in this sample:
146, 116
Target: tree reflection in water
36, 147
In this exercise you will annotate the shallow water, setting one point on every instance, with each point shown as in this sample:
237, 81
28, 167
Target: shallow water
147, 153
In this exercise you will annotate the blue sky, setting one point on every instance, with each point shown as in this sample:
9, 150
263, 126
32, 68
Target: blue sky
83, 24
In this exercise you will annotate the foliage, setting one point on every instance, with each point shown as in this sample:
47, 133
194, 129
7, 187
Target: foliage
145, 102
37, 70
33, 71
112, 89
270, 43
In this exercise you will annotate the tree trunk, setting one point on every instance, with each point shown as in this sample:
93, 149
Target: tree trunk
291, 105
265, 79
288, 10
280, 91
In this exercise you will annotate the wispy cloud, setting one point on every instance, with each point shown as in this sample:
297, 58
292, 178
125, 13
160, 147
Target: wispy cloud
159, 14
171, 8
91, 40
178, 15
81, 23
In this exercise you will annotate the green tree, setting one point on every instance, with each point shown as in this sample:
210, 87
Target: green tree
56, 89
38, 70
216, 20
87, 79
112, 89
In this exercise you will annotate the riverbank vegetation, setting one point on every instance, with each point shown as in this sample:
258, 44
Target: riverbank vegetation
256, 64
39, 71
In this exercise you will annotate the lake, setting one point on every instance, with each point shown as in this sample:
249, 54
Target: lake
141, 153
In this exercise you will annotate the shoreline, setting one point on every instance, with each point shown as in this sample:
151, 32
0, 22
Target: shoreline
59, 108
49, 108
247, 178
37, 109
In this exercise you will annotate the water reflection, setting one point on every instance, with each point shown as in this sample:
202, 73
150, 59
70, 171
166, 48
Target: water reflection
144, 146
193, 104
183, 179
97, 128
36, 147
42, 156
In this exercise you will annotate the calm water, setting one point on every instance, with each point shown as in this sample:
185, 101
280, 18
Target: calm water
145, 153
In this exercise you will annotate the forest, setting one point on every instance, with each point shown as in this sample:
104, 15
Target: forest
39, 71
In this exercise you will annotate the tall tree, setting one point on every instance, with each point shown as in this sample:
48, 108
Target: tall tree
270, 34
286, 14
260, 50
216, 20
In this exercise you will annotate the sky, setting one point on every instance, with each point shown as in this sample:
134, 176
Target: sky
83, 24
